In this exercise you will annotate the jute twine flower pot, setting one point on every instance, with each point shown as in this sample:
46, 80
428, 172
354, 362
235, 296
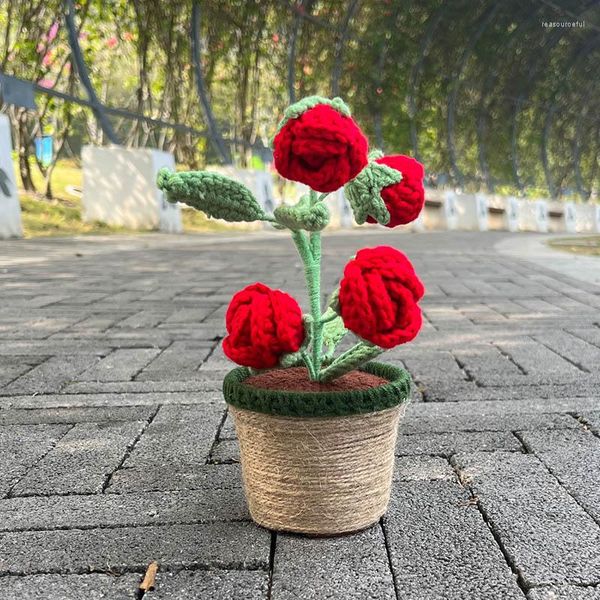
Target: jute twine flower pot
318, 463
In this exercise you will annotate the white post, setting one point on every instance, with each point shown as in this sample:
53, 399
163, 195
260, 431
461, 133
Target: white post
345, 212
587, 218
119, 188
511, 213
449, 210
472, 212
533, 215
570, 218
10, 209
169, 215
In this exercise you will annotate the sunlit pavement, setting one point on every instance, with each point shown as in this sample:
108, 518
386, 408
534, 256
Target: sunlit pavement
115, 449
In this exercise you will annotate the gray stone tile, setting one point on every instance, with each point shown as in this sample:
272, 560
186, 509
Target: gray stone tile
94, 586
345, 568
225, 451
211, 585
488, 366
550, 538
225, 503
441, 548
178, 437
525, 406
540, 363
202, 397
220, 545
422, 468
120, 365
180, 357
180, 477
49, 376
564, 592
81, 462
75, 415
493, 422
573, 457
446, 444
21, 446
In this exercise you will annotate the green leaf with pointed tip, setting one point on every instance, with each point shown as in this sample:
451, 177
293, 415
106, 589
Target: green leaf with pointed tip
214, 194
333, 332
303, 215
364, 192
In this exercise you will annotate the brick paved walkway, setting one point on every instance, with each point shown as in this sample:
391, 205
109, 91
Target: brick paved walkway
115, 449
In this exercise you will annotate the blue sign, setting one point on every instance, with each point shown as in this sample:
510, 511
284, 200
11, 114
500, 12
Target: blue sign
44, 149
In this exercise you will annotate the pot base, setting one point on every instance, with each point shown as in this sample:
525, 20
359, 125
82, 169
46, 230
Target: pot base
317, 476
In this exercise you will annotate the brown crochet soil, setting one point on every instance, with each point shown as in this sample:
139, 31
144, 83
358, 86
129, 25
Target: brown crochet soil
296, 380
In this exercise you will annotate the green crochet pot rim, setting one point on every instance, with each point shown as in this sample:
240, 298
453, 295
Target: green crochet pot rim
320, 404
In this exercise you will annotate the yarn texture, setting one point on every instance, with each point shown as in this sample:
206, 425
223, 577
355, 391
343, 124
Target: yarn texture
321, 147
212, 193
364, 191
304, 215
319, 144
404, 200
320, 404
378, 297
263, 324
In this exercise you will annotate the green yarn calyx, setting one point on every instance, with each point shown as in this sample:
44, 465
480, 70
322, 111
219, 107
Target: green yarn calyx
214, 194
320, 404
304, 215
300, 107
364, 192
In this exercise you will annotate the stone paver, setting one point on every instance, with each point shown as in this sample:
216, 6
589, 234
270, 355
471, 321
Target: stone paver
547, 534
441, 548
70, 587
349, 567
115, 450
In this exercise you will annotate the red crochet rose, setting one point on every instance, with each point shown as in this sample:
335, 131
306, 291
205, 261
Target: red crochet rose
321, 148
403, 200
378, 297
262, 324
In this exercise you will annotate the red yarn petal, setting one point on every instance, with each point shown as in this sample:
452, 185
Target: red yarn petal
321, 148
262, 324
378, 295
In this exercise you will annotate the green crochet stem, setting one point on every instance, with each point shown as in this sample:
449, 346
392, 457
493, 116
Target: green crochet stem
309, 249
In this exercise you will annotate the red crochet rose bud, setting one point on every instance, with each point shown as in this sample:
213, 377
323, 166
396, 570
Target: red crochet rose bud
262, 324
378, 297
403, 200
321, 147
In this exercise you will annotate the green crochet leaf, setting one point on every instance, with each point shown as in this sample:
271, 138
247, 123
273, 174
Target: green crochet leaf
303, 215
333, 332
214, 194
300, 107
364, 192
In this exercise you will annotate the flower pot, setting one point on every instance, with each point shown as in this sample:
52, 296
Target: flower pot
318, 463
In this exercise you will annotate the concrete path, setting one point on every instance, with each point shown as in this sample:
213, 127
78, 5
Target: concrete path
115, 448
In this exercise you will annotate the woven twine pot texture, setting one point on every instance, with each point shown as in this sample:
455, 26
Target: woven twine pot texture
319, 475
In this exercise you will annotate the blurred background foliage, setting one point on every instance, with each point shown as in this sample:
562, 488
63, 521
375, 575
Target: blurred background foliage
481, 91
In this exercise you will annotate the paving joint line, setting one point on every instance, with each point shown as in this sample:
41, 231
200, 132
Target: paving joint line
566, 358
9, 493
541, 460
388, 551
129, 449
510, 561
272, 550
217, 438
113, 526
511, 360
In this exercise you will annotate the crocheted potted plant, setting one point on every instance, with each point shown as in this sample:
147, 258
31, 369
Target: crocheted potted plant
317, 429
